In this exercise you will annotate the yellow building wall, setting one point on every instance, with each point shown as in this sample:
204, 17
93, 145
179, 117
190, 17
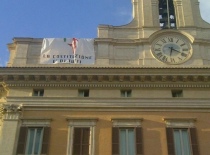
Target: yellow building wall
154, 133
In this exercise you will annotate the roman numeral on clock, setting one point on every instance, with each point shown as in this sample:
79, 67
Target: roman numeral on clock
182, 44
170, 39
157, 49
159, 55
164, 58
158, 45
163, 40
183, 54
185, 49
172, 60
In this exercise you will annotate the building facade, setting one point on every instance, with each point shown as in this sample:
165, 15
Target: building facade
146, 94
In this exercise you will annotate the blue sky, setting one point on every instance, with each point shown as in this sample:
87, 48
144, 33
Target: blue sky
63, 18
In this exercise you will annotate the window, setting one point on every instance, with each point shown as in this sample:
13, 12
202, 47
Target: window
177, 93
167, 15
127, 137
83, 93
81, 136
182, 141
33, 139
38, 92
81, 141
125, 93
181, 137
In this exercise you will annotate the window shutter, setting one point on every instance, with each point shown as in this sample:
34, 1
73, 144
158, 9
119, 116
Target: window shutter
45, 141
194, 142
139, 141
81, 141
170, 141
115, 141
85, 141
22, 140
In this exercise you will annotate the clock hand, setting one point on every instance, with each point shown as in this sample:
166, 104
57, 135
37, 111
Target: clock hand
176, 50
171, 48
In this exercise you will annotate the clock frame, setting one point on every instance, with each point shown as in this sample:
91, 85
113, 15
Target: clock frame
171, 49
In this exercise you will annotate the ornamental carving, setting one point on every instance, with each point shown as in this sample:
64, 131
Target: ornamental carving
11, 108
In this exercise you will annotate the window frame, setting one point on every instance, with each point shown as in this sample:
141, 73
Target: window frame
126, 93
39, 92
188, 124
34, 139
81, 123
180, 130
177, 93
26, 125
131, 123
83, 92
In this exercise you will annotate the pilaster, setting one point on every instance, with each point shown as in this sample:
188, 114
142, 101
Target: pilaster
9, 131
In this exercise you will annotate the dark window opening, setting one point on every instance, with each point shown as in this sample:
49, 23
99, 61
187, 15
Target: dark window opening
83, 93
177, 93
126, 93
167, 15
38, 92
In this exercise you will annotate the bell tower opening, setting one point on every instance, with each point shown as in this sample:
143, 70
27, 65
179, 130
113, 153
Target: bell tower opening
167, 15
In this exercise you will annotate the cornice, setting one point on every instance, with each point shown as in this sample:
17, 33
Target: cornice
144, 80
112, 85
106, 77
111, 104
20, 40
96, 66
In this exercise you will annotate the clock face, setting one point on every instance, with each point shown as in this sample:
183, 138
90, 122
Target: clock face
171, 49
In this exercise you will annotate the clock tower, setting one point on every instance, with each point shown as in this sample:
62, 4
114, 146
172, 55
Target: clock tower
162, 33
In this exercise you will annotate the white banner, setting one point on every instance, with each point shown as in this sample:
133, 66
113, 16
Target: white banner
67, 50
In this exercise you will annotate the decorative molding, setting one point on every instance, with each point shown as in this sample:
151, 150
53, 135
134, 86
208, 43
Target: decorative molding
79, 78
153, 78
112, 104
68, 78
142, 78
32, 122
180, 122
121, 78
113, 85
164, 78
110, 77
126, 122
90, 77
100, 78
16, 77
58, 78
12, 108
47, 77
3, 87
82, 121
11, 112
26, 77
132, 78
36, 77
5, 77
